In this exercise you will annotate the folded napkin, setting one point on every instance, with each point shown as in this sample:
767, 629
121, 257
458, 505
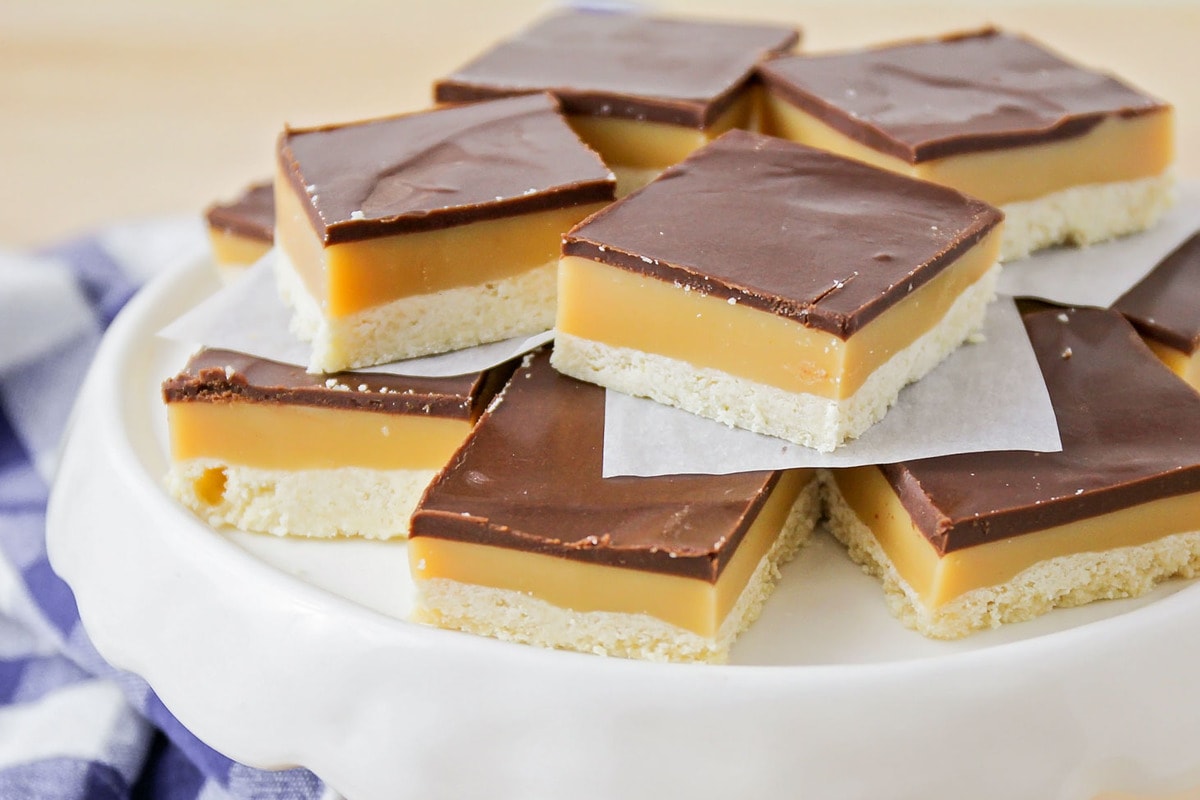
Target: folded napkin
71, 725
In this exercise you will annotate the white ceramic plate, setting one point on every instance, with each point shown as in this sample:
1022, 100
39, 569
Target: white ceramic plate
280, 652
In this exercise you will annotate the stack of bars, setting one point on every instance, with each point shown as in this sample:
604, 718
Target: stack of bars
776, 241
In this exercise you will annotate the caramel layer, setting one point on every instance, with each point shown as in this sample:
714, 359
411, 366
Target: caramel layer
1185, 365
656, 145
696, 605
356, 275
232, 250
617, 307
939, 580
1117, 149
291, 437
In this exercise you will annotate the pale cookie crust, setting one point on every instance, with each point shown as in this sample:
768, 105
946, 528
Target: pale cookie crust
423, 324
1083, 215
516, 617
323, 503
810, 420
1059, 582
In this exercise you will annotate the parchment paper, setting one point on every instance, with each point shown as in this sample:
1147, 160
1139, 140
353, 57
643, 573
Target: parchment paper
1098, 275
985, 396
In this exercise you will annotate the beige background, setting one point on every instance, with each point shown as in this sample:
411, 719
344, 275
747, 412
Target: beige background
123, 108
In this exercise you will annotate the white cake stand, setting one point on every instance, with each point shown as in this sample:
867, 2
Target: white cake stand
280, 653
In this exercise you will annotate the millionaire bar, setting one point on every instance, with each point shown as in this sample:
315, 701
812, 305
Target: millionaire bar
242, 230
643, 91
1072, 155
974, 540
431, 231
1164, 307
775, 287
267, 447
520, 538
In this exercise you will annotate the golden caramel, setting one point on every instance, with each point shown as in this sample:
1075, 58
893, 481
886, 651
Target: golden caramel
1185, 365
232, 250
938, 580
1118, 149
625, 309
656, 145
690, 603
295, 437
353, 276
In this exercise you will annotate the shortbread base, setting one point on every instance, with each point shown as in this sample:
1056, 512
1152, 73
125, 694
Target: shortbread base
1061, 582
320, 503
517, 617
811, 420
1083, 215
420, 325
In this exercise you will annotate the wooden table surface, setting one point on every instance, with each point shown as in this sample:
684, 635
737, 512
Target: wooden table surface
125, 108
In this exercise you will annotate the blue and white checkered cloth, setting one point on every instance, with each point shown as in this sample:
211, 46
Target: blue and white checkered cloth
71, 725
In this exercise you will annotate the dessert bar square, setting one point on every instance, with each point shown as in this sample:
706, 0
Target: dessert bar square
775, 287
428, 232
974, 540
1071, 154
1164, 307
521, 538
268, 447
242, 230
643, 91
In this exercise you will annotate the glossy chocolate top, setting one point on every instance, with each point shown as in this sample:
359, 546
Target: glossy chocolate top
788, 229
601, 63
215, 376
529, 478
1130, 431
1165, 305
435, 169
970, 92
252, 214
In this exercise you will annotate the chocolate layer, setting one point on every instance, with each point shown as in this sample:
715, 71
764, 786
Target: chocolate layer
436, 169
251, 214
788, 229
677, 71
1130, 433
1165, 305
215, 376
529, 478
964, 93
